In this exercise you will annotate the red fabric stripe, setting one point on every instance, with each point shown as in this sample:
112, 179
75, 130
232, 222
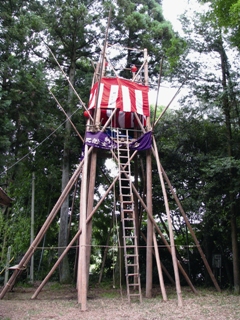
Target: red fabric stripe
132, 86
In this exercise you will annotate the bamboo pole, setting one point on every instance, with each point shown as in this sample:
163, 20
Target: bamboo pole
158, 230
68, 118
74, 239
92, 179
84, 252
149, 257
173, 249
136, 217
81, 275
149, 260
102, 68
43, 230
162, 266
191, 231
69, 82
158, 88
161, 281
163, 112
164, 240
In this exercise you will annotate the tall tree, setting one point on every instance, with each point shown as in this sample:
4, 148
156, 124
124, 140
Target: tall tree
24, 110
228, 13
71, 35
137, 25
216, 92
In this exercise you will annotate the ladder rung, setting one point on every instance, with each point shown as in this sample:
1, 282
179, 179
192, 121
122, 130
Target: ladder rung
128, 218
134, 284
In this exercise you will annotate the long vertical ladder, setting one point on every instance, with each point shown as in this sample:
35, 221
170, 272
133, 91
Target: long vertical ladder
128, 220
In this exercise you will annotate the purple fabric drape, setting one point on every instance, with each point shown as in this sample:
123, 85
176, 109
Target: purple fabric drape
103, 141
100, 140
142, 143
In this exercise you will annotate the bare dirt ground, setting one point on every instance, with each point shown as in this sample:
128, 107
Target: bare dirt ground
60, 302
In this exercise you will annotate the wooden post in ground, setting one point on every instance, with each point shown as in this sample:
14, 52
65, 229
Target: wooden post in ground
162, 266
173, 249
160, 275
42, 231
148, 200
163, 239
149, 227
191, 231
92, 179
74, 239
82, 266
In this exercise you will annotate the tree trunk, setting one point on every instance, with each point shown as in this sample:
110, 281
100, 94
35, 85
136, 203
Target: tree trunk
236, 277
64, 271
227, 113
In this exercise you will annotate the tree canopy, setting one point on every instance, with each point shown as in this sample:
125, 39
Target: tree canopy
198, 143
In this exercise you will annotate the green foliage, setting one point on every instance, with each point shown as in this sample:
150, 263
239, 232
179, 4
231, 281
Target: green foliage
144, 26
227, 13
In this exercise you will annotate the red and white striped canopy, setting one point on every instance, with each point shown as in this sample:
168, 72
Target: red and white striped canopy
122, 94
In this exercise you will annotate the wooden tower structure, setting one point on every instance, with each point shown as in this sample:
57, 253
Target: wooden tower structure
118, 121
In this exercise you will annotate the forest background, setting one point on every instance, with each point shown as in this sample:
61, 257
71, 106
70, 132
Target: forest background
198, 143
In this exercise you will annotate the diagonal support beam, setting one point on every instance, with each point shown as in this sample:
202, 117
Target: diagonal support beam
74, 239
43, 230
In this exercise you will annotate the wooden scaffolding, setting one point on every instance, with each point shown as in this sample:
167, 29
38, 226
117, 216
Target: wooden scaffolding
126, 145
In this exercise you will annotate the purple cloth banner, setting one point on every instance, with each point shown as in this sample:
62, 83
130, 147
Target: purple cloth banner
104, 141
100, 140
142, 143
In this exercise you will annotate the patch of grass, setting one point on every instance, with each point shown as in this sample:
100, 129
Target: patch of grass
56, 286
33, 312
24, 284
110, 294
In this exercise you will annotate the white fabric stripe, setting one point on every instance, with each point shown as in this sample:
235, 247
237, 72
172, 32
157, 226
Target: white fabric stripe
139, 101
113, 96
126, 99
100, 94
92, 99
121, 119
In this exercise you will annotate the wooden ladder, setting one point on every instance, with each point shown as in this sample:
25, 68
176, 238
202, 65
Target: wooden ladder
128, 219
